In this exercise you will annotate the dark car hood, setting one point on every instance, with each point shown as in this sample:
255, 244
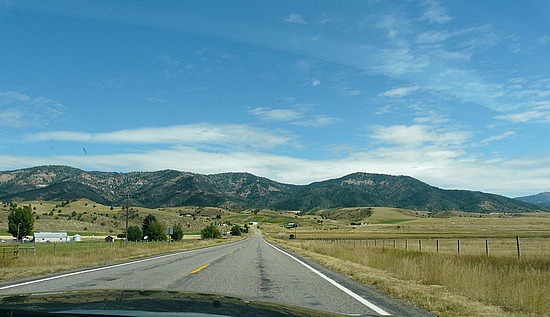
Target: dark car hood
146, 303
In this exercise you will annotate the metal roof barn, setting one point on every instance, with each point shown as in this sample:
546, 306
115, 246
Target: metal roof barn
51, 237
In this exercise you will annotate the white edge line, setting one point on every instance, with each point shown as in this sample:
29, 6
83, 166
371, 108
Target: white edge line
87, 271
100, 268
333, 282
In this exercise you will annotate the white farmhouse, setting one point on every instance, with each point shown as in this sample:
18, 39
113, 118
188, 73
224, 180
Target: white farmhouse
51, 237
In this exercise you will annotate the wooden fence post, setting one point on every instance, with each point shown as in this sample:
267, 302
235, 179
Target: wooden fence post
519, 250
458, 246
437, 246
420, 245
486, 247
407, 245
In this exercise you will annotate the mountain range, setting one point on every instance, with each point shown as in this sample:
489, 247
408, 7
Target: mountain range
541, 199
238, 191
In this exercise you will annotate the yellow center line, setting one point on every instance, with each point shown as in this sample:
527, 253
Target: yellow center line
197, 270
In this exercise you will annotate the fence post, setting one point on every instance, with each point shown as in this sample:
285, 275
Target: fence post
519, 250
437, 246
54, 248
394, 244
486, 247
458, 246
420, 245
367, 242
374, 242
407, 245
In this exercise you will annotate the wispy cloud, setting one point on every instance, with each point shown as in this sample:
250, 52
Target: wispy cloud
543, 40
19, 110
540, 115
435, 12
276, 114
295, 18
233, 135
295, 117
499, 137
418, 135
440, 166
400, 92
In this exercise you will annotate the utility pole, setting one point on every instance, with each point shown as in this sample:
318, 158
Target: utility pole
127, 210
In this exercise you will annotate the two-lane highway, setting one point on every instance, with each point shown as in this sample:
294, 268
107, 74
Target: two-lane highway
250, 268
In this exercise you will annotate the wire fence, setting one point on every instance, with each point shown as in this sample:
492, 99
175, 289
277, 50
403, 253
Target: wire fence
512, 246
68, 248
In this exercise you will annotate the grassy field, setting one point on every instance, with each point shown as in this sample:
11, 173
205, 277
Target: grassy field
382, 248
385, 252
88, 218
68, 256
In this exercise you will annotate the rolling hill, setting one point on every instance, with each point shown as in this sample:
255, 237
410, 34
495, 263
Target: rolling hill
239, 191
541, 199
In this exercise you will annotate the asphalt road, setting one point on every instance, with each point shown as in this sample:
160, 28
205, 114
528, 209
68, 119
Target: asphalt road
250, 268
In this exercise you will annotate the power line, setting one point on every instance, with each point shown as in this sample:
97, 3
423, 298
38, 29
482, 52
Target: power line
127, 210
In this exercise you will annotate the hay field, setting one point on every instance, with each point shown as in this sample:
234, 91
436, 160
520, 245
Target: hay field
385, 252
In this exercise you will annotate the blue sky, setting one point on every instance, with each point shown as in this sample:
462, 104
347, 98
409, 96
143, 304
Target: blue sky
456, 94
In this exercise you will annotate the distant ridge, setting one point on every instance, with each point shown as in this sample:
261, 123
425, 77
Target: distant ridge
239, 191
541, 199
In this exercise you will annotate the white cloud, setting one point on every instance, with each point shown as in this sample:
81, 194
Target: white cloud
401, 91
543, 40
396, 62
276, 114
295, 117
315, 82
439, 166
418, 135
435, 13
20, 110
295, 18
235, 135
431, 117
535, 115
430, 37
499, 137
318, 121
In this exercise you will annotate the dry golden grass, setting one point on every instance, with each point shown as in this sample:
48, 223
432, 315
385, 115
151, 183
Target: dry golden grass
449, 285
84, 255
469, 284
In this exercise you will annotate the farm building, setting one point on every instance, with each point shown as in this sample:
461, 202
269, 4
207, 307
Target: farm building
51, 237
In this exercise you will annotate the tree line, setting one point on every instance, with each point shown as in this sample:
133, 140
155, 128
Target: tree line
21, 224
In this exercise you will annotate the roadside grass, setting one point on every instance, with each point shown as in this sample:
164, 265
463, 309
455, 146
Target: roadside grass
446, 284
69, 256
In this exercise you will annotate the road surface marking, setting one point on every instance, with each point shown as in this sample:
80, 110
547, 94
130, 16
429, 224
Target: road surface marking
200, 268
230, 252
96, 269
333, 282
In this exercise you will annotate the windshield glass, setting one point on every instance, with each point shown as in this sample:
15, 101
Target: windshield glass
270, 135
